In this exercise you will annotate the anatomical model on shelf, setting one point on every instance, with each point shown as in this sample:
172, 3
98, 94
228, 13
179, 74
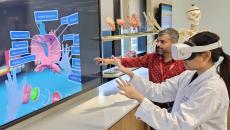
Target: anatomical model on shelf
111, 23
131, 22
121, 23
193, 15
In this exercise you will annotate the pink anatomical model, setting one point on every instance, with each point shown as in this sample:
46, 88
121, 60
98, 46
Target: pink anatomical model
47, 49
136, 21
121, 22
129, 21
111, 23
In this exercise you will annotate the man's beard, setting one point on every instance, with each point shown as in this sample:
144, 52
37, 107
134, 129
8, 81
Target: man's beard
159, 52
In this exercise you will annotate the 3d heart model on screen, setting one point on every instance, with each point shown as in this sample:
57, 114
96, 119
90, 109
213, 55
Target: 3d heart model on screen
55, 61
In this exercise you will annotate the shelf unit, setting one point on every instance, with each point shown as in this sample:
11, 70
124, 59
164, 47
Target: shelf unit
126, 36
110, 73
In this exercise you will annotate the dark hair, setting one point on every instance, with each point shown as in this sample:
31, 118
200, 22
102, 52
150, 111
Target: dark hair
223, 69
171, 32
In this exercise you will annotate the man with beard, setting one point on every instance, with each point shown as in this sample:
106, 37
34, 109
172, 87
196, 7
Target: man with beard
160, 64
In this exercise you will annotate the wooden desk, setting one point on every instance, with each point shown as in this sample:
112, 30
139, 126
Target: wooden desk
129, 122
229, 119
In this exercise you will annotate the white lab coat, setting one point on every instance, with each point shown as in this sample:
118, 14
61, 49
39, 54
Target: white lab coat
200, 105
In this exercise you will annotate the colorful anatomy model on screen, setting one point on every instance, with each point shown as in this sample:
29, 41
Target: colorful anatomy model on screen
39, 69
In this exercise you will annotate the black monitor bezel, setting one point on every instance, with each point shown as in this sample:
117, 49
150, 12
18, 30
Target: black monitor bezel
87, 88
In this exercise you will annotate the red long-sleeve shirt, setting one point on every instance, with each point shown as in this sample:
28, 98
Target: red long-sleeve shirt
158, 70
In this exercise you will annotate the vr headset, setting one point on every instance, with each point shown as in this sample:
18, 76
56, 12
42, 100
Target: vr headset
181, 51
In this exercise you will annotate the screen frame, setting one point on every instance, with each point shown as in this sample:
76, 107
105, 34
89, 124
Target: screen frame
88, 87
159, 13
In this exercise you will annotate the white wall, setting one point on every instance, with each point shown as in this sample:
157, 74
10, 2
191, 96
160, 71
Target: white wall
106, 10
134, 7
179, 17
215, 17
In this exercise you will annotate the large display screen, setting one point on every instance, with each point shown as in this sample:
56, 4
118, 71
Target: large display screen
47, 49
165, 15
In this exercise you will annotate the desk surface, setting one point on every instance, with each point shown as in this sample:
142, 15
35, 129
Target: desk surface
98, 113
113, 73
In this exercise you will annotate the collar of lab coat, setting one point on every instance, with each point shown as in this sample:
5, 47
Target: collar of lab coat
205, 76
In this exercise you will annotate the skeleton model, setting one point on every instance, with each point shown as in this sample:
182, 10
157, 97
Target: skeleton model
152, 22
193, 15
154, 27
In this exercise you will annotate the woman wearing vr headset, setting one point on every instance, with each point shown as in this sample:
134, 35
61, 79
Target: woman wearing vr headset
201, 93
